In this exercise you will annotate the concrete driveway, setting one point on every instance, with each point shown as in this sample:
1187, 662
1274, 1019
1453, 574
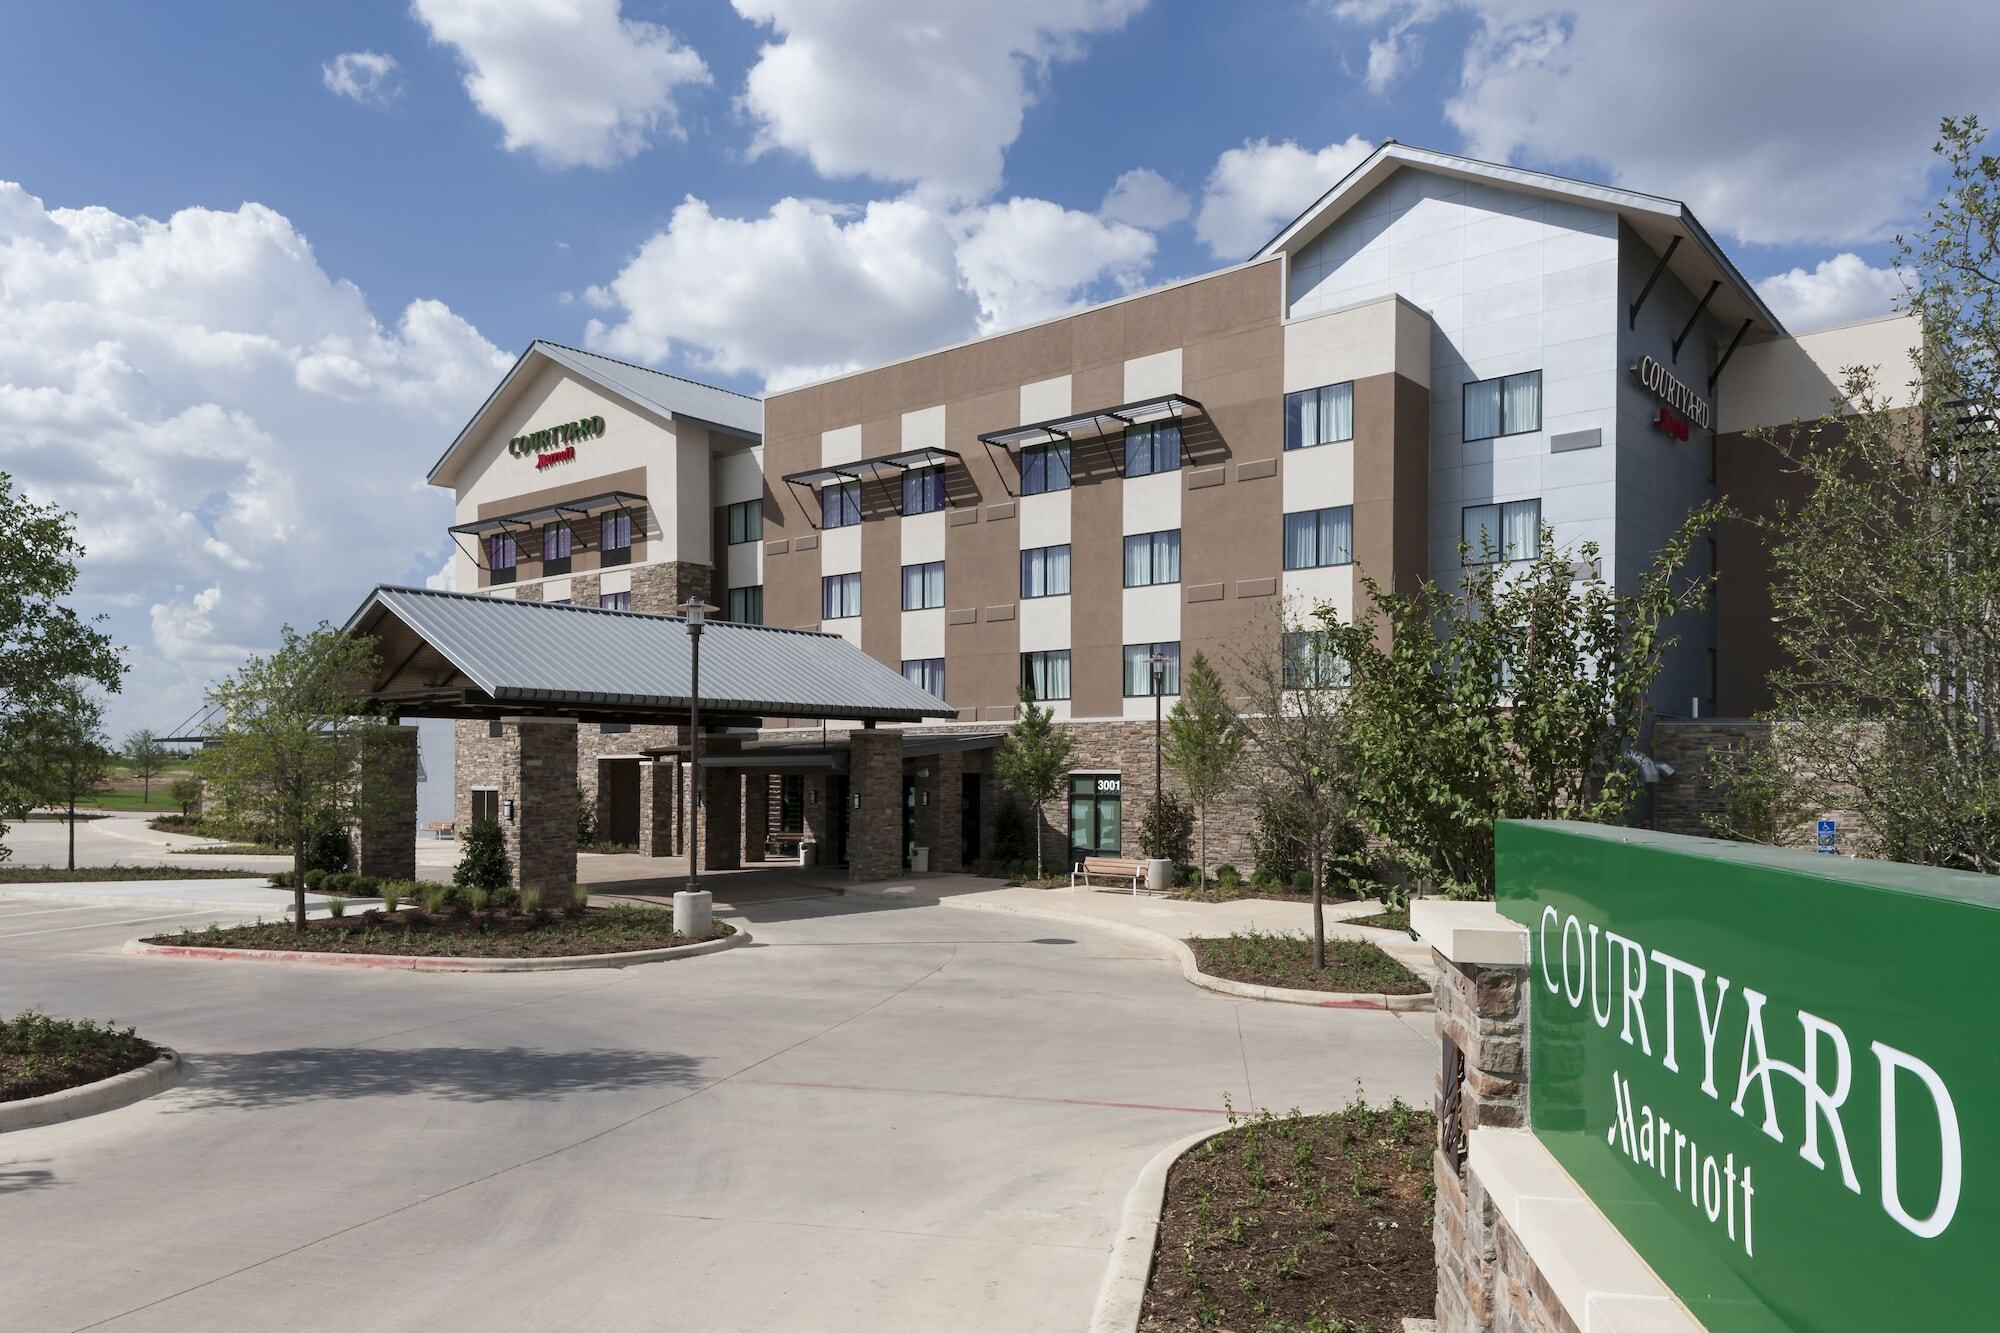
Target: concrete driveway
879, 1116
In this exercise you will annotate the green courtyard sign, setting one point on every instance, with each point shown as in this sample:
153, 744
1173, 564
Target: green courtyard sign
1775, 1072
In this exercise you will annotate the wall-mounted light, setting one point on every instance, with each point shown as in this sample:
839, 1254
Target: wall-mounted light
923, 798
857, 800
507, 810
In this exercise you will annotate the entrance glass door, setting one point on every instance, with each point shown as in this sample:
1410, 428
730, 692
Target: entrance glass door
1094, 816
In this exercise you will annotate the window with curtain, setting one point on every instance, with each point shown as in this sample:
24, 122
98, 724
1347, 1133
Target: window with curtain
840, 506
1153, 557
1044, 468
746, 522
1316, 537
1046, 674
1510, 405
1319, 416
1045, 572
746, 605
615, 601
1139, 670
555, 548
501, 557
1498, 533
923, 586
839, 596
1309, 661
1153, 447
926, 673
923, 491
615, 532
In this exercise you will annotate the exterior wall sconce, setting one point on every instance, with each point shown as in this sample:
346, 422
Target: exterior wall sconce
507, 810
857, 800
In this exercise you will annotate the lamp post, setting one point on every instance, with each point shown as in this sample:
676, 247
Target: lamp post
1157, 660
691, 908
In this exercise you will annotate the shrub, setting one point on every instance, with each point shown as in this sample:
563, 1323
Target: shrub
1013, 834
329, 850
336, 907
531, 901
281, 879
1187, 877
315, 879
579, 898
1228, 876
338, 881
1273, 861
476, 897
483, 864
1172, 836
503, 899
392, 897
367, 886
586, 818
1302, 881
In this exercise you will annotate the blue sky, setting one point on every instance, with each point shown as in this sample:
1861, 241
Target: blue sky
261, 260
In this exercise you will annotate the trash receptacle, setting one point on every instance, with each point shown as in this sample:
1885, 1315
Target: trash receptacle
808, 853
920, 860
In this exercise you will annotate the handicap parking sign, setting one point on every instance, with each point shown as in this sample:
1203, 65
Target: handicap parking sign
1824, 837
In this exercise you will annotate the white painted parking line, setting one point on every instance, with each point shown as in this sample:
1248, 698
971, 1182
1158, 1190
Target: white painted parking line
44, 911
129, 921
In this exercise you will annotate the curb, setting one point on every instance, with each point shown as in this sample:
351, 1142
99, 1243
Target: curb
739, 936
107, 1094
1190, 969
1122, 1297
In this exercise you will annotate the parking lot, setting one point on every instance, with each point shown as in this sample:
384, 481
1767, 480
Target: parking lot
876, 1116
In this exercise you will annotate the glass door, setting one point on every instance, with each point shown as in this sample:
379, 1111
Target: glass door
1095, 827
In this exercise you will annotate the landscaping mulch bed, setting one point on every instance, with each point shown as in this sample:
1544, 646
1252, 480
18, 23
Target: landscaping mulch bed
40, 1055
1299, 1224
413, 933
1276, 959
108, 874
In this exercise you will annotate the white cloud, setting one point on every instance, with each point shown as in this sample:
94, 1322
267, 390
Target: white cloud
1143, 197
1835, 291
1773, 124
1256, 189
1391, 54
367, 77
810, 290
911, 91
236, 431
572, 81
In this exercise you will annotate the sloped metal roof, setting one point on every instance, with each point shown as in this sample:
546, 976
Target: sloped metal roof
545, 656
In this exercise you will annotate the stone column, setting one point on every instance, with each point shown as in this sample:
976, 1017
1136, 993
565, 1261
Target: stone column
721, 818
875, 825
756, 815
656, 809
816, 815
538, 774
385, 841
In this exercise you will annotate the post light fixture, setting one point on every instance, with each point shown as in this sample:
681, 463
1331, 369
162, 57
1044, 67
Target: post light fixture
694, 610
1157, 660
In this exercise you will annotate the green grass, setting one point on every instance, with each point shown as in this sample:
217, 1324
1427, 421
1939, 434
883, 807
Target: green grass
111, 798
1389, 918
40, 1055
1264, 958
89, 874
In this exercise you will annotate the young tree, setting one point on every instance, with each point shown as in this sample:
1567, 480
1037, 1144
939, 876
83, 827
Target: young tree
42, 642
1204, 743
1297, 744
68, 750
1033, 762
1521, 694
1886, 573
287, 736
147, 759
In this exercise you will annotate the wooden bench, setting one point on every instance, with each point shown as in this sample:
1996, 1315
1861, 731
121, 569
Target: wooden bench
441, 828
1108, 867
782, 844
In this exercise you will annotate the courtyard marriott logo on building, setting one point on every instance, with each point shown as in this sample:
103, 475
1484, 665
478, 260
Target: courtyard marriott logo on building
1678, 397
555, 444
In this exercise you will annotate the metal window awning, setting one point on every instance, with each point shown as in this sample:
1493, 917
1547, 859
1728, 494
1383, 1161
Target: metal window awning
528, 518
886, 466
1099, 422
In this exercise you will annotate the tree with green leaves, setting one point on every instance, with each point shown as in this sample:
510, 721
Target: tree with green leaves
147, 758
1033, 762
43, 642
1296, 738
1886, 571
68, 753
1204, 744
284, 748
1520, 693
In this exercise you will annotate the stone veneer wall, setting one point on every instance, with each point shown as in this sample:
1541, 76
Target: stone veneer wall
1689, 800
537, 772
875, 831
385, 840
658, 588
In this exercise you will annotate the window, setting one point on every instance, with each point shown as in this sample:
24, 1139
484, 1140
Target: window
1153, 447
746, 522
1044, 467
746, 605
486, 800
923, 491
1045, 572
923, 586
1310, 662
613, 728
1153, 557
1502, 532
500, 556
1319, 416
555, 548
493, 727
1139, 671
926, 673
617, 534
840, 506
1505, 406
839, 596
1317, 537
615, 601
1046, 675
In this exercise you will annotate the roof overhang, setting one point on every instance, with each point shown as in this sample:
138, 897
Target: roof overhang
1098, 421
1696, 260
869, 469
571, 509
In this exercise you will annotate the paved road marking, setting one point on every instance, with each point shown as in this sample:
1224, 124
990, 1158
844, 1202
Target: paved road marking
71, 907
130, 921
987, 1096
